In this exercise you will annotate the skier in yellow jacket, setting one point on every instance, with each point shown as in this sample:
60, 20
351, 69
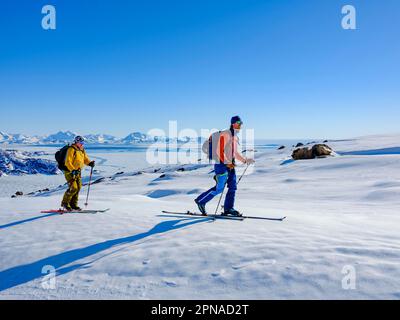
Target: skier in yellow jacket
75, 160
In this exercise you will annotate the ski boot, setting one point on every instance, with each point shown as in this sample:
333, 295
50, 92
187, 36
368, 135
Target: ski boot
76, 208
202, 208
231, 212
66, 207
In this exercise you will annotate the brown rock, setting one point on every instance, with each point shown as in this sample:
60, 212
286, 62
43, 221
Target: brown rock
302, 154
318, 150
321, 150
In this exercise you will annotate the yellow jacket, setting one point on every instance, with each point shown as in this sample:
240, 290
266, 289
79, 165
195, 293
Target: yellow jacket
76, 159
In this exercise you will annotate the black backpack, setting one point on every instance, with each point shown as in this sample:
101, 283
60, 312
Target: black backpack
61, 156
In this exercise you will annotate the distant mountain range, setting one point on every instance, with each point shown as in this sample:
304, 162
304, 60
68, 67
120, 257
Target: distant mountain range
63, 137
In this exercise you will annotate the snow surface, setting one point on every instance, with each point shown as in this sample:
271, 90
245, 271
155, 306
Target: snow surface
341, 211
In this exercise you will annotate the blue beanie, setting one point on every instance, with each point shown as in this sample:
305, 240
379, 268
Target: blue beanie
236, 119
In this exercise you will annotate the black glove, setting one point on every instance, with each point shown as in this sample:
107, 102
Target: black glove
91, 164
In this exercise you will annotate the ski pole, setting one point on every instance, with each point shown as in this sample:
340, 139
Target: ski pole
90, 180
242, 174
216, 209
222, 193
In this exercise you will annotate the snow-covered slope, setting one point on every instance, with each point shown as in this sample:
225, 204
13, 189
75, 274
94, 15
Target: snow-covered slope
342, 214
16, 163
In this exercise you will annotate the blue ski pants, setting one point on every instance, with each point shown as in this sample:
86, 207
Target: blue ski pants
223, 175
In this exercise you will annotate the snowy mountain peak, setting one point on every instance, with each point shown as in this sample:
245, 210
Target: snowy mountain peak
135, 137
63, 137
4, 137
16, 138
60, 137
100, 138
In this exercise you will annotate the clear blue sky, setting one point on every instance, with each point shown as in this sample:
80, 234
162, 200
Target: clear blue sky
286, 66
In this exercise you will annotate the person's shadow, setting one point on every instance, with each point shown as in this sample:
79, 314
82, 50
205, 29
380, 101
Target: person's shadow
22, 274
16, 223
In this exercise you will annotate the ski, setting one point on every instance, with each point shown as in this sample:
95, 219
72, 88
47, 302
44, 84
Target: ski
264, 218
261, 218
74, 211
216, 216
199, 215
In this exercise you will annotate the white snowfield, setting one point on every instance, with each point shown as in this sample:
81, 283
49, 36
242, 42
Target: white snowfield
340, 240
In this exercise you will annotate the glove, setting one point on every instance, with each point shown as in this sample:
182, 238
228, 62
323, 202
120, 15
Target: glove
250, 161
91, 164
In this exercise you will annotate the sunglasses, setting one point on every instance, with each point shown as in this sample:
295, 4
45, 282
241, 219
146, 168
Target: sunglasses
239, 122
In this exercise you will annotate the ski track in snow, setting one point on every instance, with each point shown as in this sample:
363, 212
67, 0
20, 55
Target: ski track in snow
341, 211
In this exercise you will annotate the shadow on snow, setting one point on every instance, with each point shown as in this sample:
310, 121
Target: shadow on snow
374, 152
12, 224
22, 274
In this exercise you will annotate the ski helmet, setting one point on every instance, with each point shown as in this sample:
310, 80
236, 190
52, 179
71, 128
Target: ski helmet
79, 139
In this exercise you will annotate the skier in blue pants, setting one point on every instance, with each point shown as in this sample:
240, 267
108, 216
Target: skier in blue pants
225, 174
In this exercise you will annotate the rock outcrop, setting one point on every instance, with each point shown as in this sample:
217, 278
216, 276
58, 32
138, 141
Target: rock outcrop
14, 162
317, 150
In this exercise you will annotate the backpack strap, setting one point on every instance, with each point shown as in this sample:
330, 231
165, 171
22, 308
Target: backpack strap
210, 155
233, 145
